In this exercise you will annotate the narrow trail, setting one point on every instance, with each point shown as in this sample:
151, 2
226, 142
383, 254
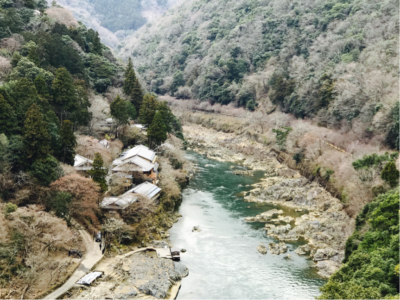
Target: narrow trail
92, 256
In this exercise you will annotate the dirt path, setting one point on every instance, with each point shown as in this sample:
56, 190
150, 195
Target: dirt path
92, 256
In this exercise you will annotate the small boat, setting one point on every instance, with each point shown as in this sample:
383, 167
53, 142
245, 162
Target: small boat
175, 254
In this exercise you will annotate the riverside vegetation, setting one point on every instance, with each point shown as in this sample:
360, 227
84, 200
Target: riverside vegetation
58, 84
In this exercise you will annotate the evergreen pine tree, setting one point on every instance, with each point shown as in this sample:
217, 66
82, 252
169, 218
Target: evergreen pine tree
67, 143
129, 67
157, 131
129, 83
97, 45
119, 112
167, 115
41, 87
7, 97
391, 174
137, 95
36, 136
26, 95
148, 110
98, 172
64, 92
131, 110
7, 117
33, 56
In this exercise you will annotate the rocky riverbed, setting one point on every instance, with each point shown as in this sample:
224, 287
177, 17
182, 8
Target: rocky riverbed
324, 223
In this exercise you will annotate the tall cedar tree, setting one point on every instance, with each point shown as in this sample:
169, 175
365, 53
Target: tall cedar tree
119, 112
129, 67
129, 82
167, 115
25, 93
157, 131
131, 110
81, 115
97, 45
36, 136
33, 56
98, 172
41, 87
137, 95
64, 92
67, 143
148, 110
7, 117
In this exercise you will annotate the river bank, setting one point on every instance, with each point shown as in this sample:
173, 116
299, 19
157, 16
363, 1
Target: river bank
323, 223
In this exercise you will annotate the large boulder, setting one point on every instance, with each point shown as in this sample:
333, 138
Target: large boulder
262, 249
277, 248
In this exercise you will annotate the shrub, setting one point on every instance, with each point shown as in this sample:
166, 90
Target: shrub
390, 174
281, 136
373, 160
10, 208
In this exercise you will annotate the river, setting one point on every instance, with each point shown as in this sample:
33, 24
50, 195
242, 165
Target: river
222, 258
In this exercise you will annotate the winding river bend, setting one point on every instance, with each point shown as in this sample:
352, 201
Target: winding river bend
222, 258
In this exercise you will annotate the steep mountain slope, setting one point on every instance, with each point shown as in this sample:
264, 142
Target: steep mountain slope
335, 61
115, 19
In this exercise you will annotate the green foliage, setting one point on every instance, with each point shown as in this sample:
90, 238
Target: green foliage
251, 105
98, 172
10, 208
67, 143
4, 154
64, 92
46, 170
33, 56
15, 59
177, 81
129, 81
148, 109
41, 87
130, 108
392, 138
281, 136
372, 254
60, 203
128, 68
327, 174
36, 136
281, 88
26, 68
373, 160
119, 111
390, 174
16, 152
7, 117
100, 70
167, 115
137, 95
157, 131
298, 157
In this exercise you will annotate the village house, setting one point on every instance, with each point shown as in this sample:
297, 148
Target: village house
139, 161
145, 189
82, 164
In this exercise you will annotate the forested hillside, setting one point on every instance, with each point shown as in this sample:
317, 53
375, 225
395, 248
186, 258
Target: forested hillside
50, 68
115, 19
334, 61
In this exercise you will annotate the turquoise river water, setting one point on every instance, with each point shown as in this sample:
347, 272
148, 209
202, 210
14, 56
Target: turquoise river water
222, 258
